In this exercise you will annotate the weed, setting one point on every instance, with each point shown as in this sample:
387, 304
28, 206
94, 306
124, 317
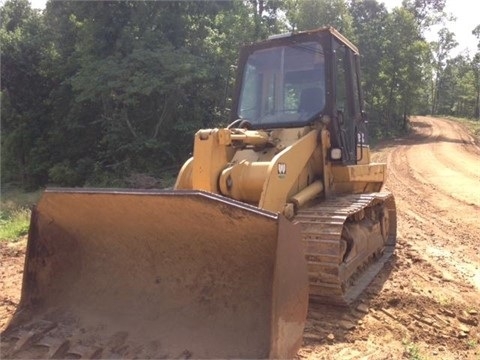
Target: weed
15, 214
472, 125
472, 343
444, 300
14, 224
412, 351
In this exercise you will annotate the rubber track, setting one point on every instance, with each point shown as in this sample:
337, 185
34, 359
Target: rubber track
322, 230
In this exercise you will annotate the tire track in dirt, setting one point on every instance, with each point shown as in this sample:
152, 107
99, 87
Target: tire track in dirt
447, 162
422, 299
425, 303
441, 198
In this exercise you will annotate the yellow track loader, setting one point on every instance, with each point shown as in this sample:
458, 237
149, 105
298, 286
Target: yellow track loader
280, 207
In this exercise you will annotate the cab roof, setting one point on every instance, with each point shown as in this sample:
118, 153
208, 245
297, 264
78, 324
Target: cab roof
285, 38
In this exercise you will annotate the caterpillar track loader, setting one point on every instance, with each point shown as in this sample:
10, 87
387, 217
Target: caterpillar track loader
281, 206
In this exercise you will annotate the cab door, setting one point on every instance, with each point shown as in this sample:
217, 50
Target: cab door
347, 100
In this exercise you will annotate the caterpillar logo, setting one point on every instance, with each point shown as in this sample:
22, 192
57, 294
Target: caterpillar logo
282, 169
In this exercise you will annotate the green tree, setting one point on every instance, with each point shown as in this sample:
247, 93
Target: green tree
117, 87
311, 14
441, 52
24, 89
95, 91
426, 12
476, 71
266, 17
368, 17
393, 61
142, 76
401, 67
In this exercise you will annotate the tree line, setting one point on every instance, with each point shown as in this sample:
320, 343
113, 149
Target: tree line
93, 93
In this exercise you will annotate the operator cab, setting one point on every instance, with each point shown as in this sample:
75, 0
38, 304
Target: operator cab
294, 80
283, 85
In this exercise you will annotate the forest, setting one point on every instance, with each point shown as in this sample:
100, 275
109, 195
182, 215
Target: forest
99, 93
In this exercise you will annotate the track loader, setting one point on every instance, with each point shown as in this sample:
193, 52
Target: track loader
280, 207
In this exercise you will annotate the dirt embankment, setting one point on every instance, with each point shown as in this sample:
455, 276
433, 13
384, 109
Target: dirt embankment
426, 302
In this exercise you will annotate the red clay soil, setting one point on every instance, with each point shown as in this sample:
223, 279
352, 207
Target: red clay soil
426, 302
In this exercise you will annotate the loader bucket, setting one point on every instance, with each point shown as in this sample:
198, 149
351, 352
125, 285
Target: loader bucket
159, 274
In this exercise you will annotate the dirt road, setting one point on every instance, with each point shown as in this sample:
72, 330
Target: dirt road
426, 303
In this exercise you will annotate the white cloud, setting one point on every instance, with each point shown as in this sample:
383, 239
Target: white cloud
467, 20
38, 4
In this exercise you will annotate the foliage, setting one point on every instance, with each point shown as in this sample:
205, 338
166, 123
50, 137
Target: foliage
472, 125
15, 214
311, 14
426, 12
472, 343
393, 62
24, 88
93, 92
412, 351
14, 225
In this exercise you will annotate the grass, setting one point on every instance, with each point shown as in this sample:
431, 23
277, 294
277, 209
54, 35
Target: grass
471, 125
15, 214
444, 300
472, 343
412, 351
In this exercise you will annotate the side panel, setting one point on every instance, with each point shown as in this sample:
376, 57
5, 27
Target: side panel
284, 170
355, 179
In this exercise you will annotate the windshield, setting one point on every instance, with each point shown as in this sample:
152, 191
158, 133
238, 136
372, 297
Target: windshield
285, 84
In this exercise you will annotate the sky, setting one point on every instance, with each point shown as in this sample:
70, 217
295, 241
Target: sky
465, 11
468, 18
